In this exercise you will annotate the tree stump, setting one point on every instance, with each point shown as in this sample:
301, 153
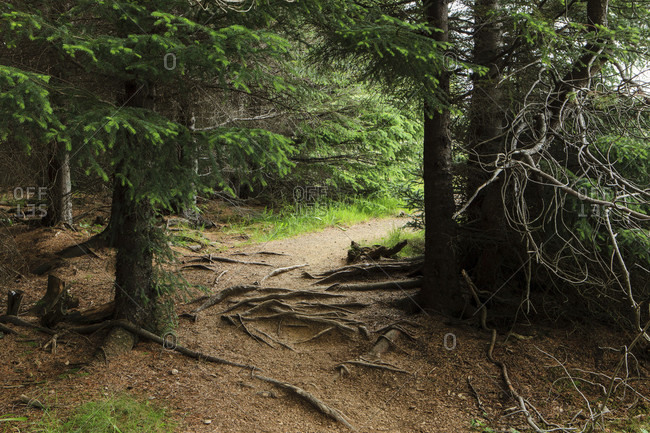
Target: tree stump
14, 299
53, 307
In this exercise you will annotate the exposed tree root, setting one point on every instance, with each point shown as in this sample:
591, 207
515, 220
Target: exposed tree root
250, 334
388, 285
224, 294
118, 342
310, 398
229, 292
339, 323
93, 315
275, 340
143, 333
279, 271
343, 306
211, 259
365, 269
373, 365
502, 366
14, 320
315, 336
281, 296
7, 330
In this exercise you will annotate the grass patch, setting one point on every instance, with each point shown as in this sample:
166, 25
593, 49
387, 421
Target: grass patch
415, 238
122, 413
187, 236
293, 220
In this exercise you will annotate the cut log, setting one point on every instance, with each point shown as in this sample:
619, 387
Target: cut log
14, 299
384, 342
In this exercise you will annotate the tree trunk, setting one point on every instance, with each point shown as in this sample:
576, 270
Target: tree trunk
132, 230
486, 212
59, 188
440, 287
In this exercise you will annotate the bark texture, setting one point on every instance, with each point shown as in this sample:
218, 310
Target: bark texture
440, 269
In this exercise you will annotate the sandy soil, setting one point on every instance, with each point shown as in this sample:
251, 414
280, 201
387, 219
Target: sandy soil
433, 395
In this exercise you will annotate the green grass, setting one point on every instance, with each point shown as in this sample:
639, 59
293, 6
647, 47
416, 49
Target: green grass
414, 247
293, 220
187, 236
116, 414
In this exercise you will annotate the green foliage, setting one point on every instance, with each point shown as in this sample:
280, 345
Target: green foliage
121, 413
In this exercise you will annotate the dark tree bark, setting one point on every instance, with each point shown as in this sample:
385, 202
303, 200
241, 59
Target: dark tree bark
132, 229
486, 212
440, 287
59, 188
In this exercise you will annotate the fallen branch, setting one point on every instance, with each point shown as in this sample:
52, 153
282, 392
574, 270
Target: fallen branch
373, 365
199, 266
211, 259
32, 402
278, 271
268, 253
310, 398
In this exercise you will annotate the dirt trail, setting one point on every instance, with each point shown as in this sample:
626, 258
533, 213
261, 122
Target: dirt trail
327, 248
433, 396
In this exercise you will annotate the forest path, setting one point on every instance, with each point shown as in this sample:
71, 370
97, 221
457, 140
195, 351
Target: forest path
431, 395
